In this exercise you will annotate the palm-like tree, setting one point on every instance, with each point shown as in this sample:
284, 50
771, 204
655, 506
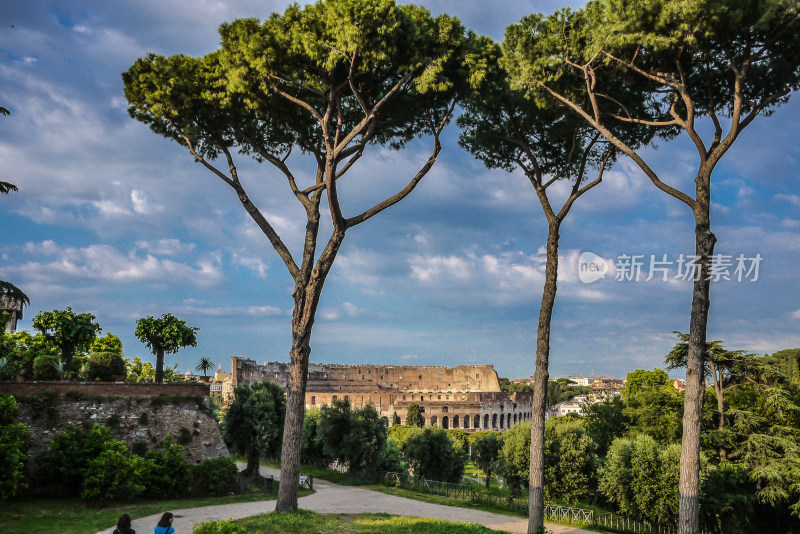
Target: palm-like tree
204, 366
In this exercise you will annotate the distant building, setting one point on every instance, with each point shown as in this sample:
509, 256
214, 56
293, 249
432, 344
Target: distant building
218, 386
679, 384
467, 397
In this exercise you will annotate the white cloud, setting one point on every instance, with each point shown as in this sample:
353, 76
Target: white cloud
142, 205
796, 314
102, 262
791, 199
166, 247
232, 311
254, 264
408, 357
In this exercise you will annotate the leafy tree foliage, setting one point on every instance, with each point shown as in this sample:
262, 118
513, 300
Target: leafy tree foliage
414, 416
515, 457
138, 371
108, 343
606, 421
253, 423
570, 461
18, 352
367, 73
165, 335
400, 434
70, 332
641, 478
431, 454
105, 366
70, 452
564, 389
312, 444
485, 451
354, 437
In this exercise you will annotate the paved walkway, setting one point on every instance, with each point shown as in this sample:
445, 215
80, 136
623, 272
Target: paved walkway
332, 498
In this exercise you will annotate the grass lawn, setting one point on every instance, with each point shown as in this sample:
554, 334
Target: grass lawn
304, 522
75, 516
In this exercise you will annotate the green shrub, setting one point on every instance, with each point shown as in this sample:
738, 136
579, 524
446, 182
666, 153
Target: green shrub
112, 421
8, 409
218, 527
70, 452
433, 455
107, 366
46, 367
166, 473
13, 459
144, 419
113, 474
214, 476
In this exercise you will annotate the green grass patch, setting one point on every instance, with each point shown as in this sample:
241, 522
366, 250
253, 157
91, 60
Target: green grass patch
75, 516
304, 522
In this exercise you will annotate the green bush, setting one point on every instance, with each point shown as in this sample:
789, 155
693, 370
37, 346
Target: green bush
214, 476
46, 367
165, 473
13, 458
218, 527
107, 366
433, 455
8, 409
114, 474
70, 452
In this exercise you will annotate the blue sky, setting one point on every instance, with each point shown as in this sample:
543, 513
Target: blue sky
114, 220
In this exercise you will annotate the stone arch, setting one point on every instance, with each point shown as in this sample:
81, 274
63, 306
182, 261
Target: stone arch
433, 420
515, 419
494, 420
385, 421
466, 421
508, 421
486, 421
502, 421
455, 421
445, 422
476, 422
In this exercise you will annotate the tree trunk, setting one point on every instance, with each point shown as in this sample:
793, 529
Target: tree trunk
253, 462
306, 298
159, 365
540, 378
689, 486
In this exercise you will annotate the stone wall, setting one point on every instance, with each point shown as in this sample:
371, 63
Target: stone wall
143, 413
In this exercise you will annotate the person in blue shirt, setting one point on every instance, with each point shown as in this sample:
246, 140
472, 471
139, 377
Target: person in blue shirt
165, 524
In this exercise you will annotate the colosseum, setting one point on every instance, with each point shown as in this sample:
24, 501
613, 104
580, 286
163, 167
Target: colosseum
467, 397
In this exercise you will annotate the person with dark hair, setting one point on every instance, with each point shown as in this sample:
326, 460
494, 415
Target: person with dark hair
165, 524
124, 525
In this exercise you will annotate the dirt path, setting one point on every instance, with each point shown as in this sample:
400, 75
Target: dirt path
335, 499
